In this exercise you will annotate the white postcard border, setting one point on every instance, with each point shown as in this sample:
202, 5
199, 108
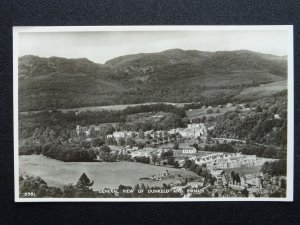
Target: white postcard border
290, 140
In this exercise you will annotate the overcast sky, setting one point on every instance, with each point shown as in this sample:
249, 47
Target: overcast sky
101, 46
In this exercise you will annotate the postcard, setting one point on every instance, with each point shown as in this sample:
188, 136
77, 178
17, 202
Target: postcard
153, 113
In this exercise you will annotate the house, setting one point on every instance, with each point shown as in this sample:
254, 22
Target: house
228, 105
193, 130
195, 184
276, 116
188, 150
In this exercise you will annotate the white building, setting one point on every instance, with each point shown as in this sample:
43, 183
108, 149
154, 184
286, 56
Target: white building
226, 160
192, 131
189, 151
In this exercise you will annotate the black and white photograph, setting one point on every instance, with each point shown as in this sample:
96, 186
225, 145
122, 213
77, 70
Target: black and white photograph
153, 113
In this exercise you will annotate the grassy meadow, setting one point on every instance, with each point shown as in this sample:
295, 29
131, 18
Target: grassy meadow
104, 174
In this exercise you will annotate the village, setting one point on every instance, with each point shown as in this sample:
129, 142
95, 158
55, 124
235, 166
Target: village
226, 185
158, 143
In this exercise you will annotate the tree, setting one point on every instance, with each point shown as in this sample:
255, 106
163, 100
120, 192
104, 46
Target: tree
84, 186
105, 149
154, 158
258, 109
121, 141
141, 145
176, 164
176, 145
136, 189
171, 160
148, 136
92, 155
195, 145
96, 142
187, 163
245, 192
69, 191
209, 111
141, 134
210, 119
129, 141
172, 121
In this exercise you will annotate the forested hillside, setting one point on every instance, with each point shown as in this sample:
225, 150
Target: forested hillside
170, 76
265, 123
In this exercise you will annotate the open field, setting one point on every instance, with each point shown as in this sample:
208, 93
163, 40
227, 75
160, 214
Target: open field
263, 90
108, 107
104, 174
203, 112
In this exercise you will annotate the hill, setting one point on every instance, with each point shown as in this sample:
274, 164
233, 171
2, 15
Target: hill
170, 76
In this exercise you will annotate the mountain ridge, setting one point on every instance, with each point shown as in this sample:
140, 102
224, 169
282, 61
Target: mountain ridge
173, 75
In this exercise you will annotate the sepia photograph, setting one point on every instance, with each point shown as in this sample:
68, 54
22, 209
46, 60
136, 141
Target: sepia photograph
153, 113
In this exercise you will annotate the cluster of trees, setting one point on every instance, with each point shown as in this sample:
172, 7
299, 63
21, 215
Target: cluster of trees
165, 123
276, 168
36, 185
256, 126
75, 152
166, 154
68, 153
219, 148
142, 159
169, 156
193, 105
264, 151
199, 170
159, 107
235, 177
200, 119
30, 149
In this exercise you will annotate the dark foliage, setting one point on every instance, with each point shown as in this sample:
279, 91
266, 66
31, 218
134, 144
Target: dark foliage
275, 168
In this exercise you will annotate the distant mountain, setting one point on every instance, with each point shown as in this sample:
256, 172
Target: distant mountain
173, 76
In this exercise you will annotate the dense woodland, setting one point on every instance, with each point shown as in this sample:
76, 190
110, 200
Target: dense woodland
266, 124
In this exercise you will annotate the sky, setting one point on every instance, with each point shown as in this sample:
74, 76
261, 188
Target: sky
100, 46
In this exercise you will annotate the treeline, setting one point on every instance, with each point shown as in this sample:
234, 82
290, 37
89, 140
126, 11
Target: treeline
159, 107
258, 150
82, 152
266, 124
166, 123
68, 153
142, 159
58, 121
